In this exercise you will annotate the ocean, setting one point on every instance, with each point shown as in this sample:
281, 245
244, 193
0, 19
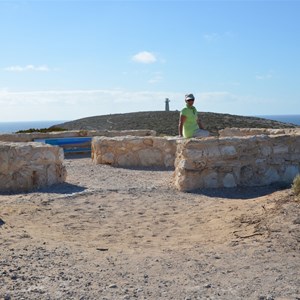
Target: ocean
9, 127
293, 119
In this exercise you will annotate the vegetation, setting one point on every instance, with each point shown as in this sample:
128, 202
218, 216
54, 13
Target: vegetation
50, 129
296, 185
166, 123
163, 122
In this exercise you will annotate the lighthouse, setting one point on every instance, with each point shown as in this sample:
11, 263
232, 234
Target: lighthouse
167, 104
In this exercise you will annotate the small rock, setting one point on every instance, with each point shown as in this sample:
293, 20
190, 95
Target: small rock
113, 286
268, 297
14, 277
297, 221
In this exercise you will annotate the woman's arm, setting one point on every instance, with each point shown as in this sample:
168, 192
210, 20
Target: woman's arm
181, 122
200, 124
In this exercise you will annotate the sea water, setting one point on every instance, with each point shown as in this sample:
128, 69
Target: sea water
293, 119
10, 127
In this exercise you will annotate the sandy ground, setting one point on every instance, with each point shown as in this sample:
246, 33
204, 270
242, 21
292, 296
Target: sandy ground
110, 233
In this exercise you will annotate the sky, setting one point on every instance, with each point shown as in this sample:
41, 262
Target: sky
65, 60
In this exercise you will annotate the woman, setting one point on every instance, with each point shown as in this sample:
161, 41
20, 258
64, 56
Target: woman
189, 123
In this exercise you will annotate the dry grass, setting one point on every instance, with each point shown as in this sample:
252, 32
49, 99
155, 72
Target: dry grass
166, 123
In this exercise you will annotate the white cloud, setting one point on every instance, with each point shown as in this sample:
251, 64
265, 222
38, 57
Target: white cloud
17, 68
144, 57
239, 104
214, 37
211, 37
75, 104
216, 97
156, 78
266, 76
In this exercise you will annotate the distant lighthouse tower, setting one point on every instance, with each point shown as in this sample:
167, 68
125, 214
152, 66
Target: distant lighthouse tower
167, 108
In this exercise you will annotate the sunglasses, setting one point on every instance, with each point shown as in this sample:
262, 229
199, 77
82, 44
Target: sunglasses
190, 100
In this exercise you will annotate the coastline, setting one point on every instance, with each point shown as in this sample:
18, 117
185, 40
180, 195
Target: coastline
156, 121
292, 119
10, 127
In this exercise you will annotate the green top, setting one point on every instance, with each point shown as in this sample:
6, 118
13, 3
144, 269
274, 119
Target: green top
190, 124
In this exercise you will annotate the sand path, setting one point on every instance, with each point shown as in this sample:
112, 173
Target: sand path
110, 233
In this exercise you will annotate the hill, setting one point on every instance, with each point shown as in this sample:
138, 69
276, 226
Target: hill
166, 123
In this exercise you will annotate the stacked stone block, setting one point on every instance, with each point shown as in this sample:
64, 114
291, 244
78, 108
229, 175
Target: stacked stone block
26, 166
29, 137
237, 161
257, 131
133, 151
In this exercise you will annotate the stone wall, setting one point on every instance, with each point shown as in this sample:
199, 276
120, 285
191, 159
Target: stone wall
256, 157
236, 161
29, 137
26, 166
208, 162
257, 131
133, 151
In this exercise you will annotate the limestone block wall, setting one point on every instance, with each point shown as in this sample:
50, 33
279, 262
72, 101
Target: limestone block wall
236, 161
133, 151
28, 137
257, 131
26, 166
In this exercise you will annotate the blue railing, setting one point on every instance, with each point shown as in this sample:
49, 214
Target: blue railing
69, 144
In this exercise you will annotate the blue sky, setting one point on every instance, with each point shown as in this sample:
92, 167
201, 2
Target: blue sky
64, 60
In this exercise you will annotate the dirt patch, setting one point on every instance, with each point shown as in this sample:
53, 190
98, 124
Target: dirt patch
110, 233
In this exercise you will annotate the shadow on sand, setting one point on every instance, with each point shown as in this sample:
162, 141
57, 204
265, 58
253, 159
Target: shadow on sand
238, 193
60, 188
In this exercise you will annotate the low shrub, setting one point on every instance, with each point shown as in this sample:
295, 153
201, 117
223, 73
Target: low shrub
296, 185
50, 129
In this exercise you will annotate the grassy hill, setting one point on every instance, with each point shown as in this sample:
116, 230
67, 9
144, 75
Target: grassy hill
166, 123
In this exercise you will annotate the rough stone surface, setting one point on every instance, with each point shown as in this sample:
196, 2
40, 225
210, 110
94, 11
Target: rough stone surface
256, 131
237, 161
213, 162
133, 151
29, 137
26, 166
